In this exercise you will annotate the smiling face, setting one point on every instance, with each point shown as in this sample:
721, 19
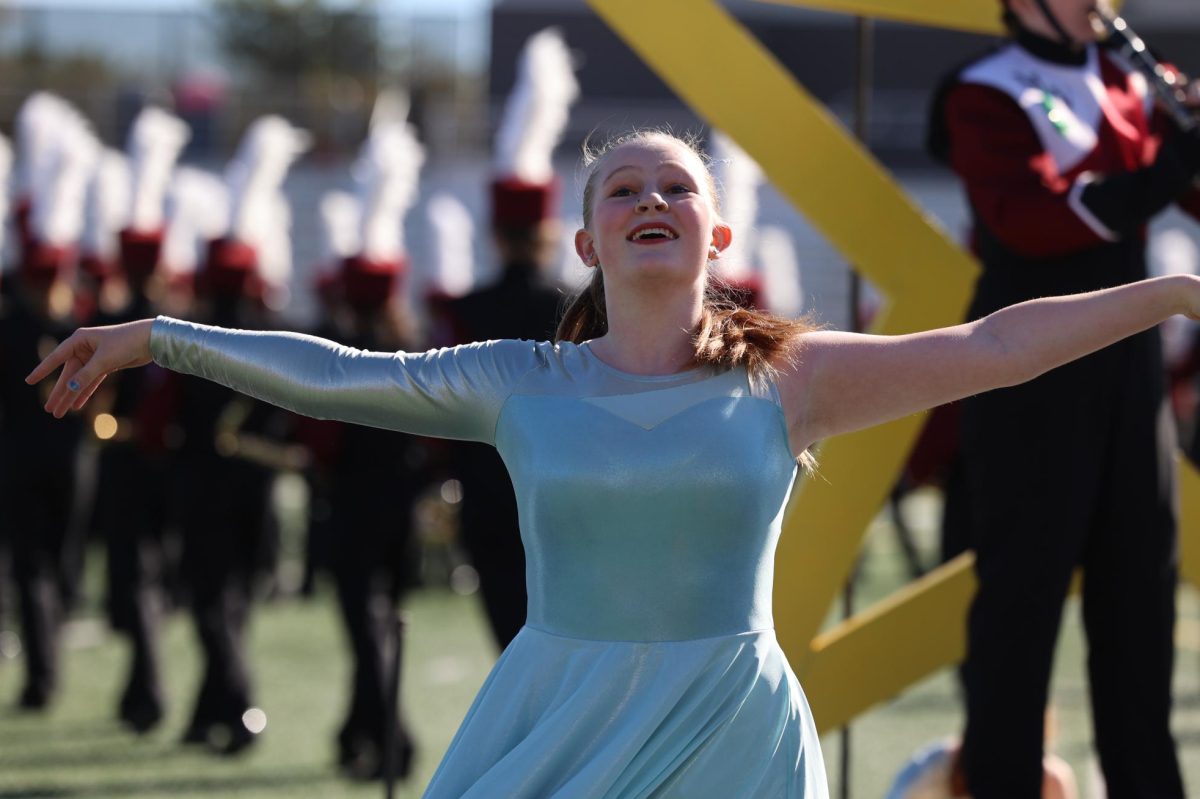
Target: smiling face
650, 214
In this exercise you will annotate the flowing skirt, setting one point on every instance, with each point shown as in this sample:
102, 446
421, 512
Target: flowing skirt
714, 718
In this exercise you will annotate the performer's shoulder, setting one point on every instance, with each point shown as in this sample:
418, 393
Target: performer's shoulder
519, 354
552, 359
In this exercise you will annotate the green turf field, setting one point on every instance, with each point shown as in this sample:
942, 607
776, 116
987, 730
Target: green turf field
78, 750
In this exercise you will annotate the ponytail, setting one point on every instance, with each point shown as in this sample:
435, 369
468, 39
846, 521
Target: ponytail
730, 334
586, 316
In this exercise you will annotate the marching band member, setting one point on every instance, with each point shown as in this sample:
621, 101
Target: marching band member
373, 476
1065, 159
526, 231
38, 465
131, 417
228, 456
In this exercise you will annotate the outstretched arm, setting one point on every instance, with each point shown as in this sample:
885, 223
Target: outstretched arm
842, 382
451, 393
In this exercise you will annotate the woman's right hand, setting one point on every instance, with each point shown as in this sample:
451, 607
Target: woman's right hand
88, 356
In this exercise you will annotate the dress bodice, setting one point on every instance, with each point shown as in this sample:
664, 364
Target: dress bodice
650, 506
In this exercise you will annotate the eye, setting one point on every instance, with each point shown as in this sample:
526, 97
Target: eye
621, 191
680, 188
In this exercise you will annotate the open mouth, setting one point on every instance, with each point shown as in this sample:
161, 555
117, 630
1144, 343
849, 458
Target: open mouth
652, 233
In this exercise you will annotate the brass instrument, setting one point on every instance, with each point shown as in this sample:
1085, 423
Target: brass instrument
1168, 84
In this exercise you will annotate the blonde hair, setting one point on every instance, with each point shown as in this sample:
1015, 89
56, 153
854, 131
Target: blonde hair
728, 334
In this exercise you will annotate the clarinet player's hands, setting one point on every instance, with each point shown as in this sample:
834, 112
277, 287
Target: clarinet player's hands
88, 356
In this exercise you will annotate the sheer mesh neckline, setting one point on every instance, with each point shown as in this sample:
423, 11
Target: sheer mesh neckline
686, 373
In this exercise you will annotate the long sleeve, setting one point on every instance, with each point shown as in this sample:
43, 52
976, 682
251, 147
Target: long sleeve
446, 393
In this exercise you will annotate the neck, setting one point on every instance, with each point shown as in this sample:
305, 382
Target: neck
650, 332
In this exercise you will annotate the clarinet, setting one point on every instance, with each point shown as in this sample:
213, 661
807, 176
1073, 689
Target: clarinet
1167, 83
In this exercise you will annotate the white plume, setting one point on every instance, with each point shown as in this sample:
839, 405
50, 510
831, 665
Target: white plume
339, 226
780, 265
38, 124
58, 207
6, 159
391, 106
453, 270
6, 162
197, 211
738, 178
255, 177
537, 110
107, 205
275, 253
155, 141
387, 170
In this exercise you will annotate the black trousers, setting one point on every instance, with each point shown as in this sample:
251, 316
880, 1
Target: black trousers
370, 559
131, 515
225, 524
491, 534
1073, 469
38, 496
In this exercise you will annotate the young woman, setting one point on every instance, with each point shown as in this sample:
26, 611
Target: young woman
652, 449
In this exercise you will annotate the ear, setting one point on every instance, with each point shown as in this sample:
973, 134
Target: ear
721, 239
585, 246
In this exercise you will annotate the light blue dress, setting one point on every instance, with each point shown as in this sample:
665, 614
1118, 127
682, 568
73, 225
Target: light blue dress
650, 508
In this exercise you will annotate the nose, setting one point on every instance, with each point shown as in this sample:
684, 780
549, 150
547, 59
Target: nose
651, 201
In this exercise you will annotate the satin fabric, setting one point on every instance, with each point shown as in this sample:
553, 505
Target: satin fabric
650, 509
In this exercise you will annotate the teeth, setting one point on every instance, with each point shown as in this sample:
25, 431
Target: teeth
651, 231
